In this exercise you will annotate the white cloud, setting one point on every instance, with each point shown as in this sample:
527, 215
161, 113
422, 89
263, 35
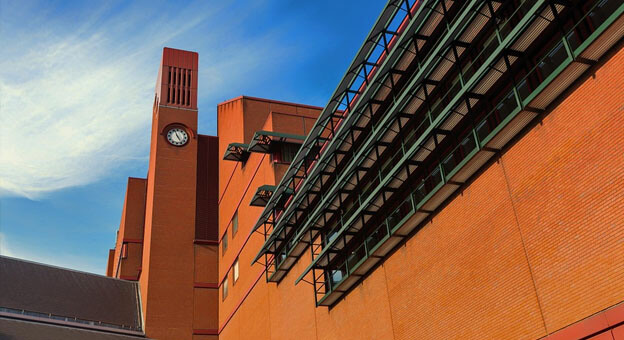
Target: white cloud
65, 122
76, 98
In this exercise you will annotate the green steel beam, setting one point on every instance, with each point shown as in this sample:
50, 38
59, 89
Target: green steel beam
377, 74
363, 53
372, 135
381, 127
440, 118
479, 146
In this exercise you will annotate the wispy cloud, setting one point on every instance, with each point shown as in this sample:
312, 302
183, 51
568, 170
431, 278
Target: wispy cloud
76, 96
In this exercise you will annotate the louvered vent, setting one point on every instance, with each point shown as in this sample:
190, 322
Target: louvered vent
179, 90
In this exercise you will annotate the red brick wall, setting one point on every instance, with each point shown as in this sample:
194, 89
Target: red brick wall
167, 277
534, 244
110, 262
206, 293
207, 195
566, 180
131, 231
238, 183
179, 277
465, 274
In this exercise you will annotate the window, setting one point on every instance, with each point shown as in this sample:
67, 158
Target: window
224, 243
235, 223
124, 251
235, 271
287, 152
224, 288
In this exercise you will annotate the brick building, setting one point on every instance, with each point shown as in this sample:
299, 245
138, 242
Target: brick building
465, 181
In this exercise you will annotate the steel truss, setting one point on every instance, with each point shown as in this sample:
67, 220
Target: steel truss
420, 129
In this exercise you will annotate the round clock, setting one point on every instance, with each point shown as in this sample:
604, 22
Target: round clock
177, 136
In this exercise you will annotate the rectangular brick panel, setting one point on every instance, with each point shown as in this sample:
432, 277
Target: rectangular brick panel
567, 182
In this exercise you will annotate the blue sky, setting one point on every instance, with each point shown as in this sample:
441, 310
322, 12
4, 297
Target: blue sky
76, 89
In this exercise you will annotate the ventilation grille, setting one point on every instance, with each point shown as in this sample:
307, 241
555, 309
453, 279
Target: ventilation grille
179, 89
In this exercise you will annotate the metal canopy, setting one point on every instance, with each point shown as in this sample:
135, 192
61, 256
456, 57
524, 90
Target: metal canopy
319, 130
236, 152
264, 141
491, 133
333, 147
262, 195
346, 124
339, 107
426, 142
455, 132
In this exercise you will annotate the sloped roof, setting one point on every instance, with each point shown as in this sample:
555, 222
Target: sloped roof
41, 289
13, 329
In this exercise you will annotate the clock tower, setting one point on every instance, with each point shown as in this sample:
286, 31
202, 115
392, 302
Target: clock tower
167, 273
168, 235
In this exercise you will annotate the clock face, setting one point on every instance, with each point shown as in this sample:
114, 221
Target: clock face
177, 136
